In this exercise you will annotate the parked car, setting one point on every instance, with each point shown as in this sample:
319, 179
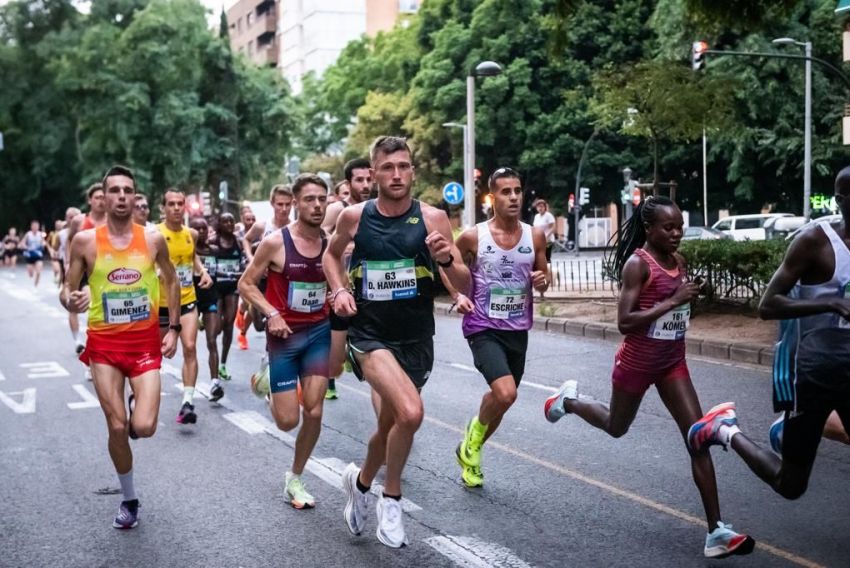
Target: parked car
781, 227
747, 227
824, 219
703, 234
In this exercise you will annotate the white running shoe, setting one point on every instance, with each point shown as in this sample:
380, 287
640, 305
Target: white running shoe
390, 524
357, 504
554, 406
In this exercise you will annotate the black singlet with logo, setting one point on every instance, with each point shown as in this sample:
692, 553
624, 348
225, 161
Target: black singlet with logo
393, 277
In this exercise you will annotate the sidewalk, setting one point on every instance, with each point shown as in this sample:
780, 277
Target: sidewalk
760, 353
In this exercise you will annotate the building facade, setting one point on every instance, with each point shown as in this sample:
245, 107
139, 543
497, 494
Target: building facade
314, 32
252, 27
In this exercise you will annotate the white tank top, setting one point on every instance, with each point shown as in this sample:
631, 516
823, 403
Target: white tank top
835, 287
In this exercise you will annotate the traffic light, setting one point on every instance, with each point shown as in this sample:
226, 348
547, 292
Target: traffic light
698, 50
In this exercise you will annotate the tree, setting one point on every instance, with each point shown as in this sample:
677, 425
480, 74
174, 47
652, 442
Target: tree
662, 101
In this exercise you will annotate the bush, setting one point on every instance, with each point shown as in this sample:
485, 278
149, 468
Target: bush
736, 270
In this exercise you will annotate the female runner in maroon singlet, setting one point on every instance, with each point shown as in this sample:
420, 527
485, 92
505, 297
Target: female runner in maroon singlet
653, 313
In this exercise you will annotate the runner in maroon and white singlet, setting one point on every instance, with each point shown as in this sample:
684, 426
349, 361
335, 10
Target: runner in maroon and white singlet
653, 313
297, 328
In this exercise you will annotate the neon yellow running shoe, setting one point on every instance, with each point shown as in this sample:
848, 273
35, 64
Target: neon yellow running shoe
471, 476
469, 450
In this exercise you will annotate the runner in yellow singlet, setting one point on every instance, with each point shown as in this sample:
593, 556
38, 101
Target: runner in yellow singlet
181, 249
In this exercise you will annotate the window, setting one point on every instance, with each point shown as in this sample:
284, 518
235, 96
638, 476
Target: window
725, 225
249, 19
749, 223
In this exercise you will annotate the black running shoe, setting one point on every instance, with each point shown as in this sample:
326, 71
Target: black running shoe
187, 414
216, 393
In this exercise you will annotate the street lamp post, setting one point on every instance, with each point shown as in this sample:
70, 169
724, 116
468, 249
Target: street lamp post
483, 69
627, 206
807, 135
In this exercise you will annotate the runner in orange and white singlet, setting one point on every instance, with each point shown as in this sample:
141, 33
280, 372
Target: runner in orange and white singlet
121, 261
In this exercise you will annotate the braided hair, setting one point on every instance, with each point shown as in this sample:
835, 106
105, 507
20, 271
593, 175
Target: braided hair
633, 233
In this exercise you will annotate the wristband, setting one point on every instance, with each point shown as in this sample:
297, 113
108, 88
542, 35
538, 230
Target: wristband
447, 263
337, 291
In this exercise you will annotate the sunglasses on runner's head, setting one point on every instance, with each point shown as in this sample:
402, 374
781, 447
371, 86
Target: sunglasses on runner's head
141, 206
503, 172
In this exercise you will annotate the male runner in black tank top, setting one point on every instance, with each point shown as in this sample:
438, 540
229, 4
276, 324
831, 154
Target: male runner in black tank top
398, 244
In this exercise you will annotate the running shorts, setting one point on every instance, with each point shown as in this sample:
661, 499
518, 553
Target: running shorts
207, 299
225, 288
634, 382
416, 358
130, 363
499, 353
184, 309
338, 323
33, 256
304, 353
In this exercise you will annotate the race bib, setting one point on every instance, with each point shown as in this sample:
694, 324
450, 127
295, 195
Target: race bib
209, 263
184, 275
672, 325
506, 303
307, 297
389, 280
126, 306
229, 268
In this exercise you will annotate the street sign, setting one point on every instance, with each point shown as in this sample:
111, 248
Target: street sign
453, 193
584, 196
223, 193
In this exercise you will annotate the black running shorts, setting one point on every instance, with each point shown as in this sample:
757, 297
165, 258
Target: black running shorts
416, 358
499, 353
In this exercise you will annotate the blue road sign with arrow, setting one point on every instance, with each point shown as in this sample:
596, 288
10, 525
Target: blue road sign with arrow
453, 193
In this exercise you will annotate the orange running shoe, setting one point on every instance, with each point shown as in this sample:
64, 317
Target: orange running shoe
242, 340
240, 319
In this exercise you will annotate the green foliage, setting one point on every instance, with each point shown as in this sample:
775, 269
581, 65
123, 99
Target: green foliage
663, 101
139, 82
733, 268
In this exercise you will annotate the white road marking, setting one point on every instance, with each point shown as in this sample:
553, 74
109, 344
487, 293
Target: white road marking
44, 369
463, 367
473, 553
27, 404
538, 386
246, 421
89, 400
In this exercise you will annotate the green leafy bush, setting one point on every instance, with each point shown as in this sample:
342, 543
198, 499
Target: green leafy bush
735, 270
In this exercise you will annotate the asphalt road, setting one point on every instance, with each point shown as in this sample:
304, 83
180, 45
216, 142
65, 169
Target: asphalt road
212, 493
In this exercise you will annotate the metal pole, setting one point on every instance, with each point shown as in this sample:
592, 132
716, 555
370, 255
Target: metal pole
469, 162
468, 172
807, 152
578, 188
704, 180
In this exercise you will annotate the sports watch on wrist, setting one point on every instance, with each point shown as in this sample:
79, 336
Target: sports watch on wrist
176, 327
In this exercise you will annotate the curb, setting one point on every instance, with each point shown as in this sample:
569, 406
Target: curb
749, 353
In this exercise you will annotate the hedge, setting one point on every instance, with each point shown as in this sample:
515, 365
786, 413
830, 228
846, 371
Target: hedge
737, 270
